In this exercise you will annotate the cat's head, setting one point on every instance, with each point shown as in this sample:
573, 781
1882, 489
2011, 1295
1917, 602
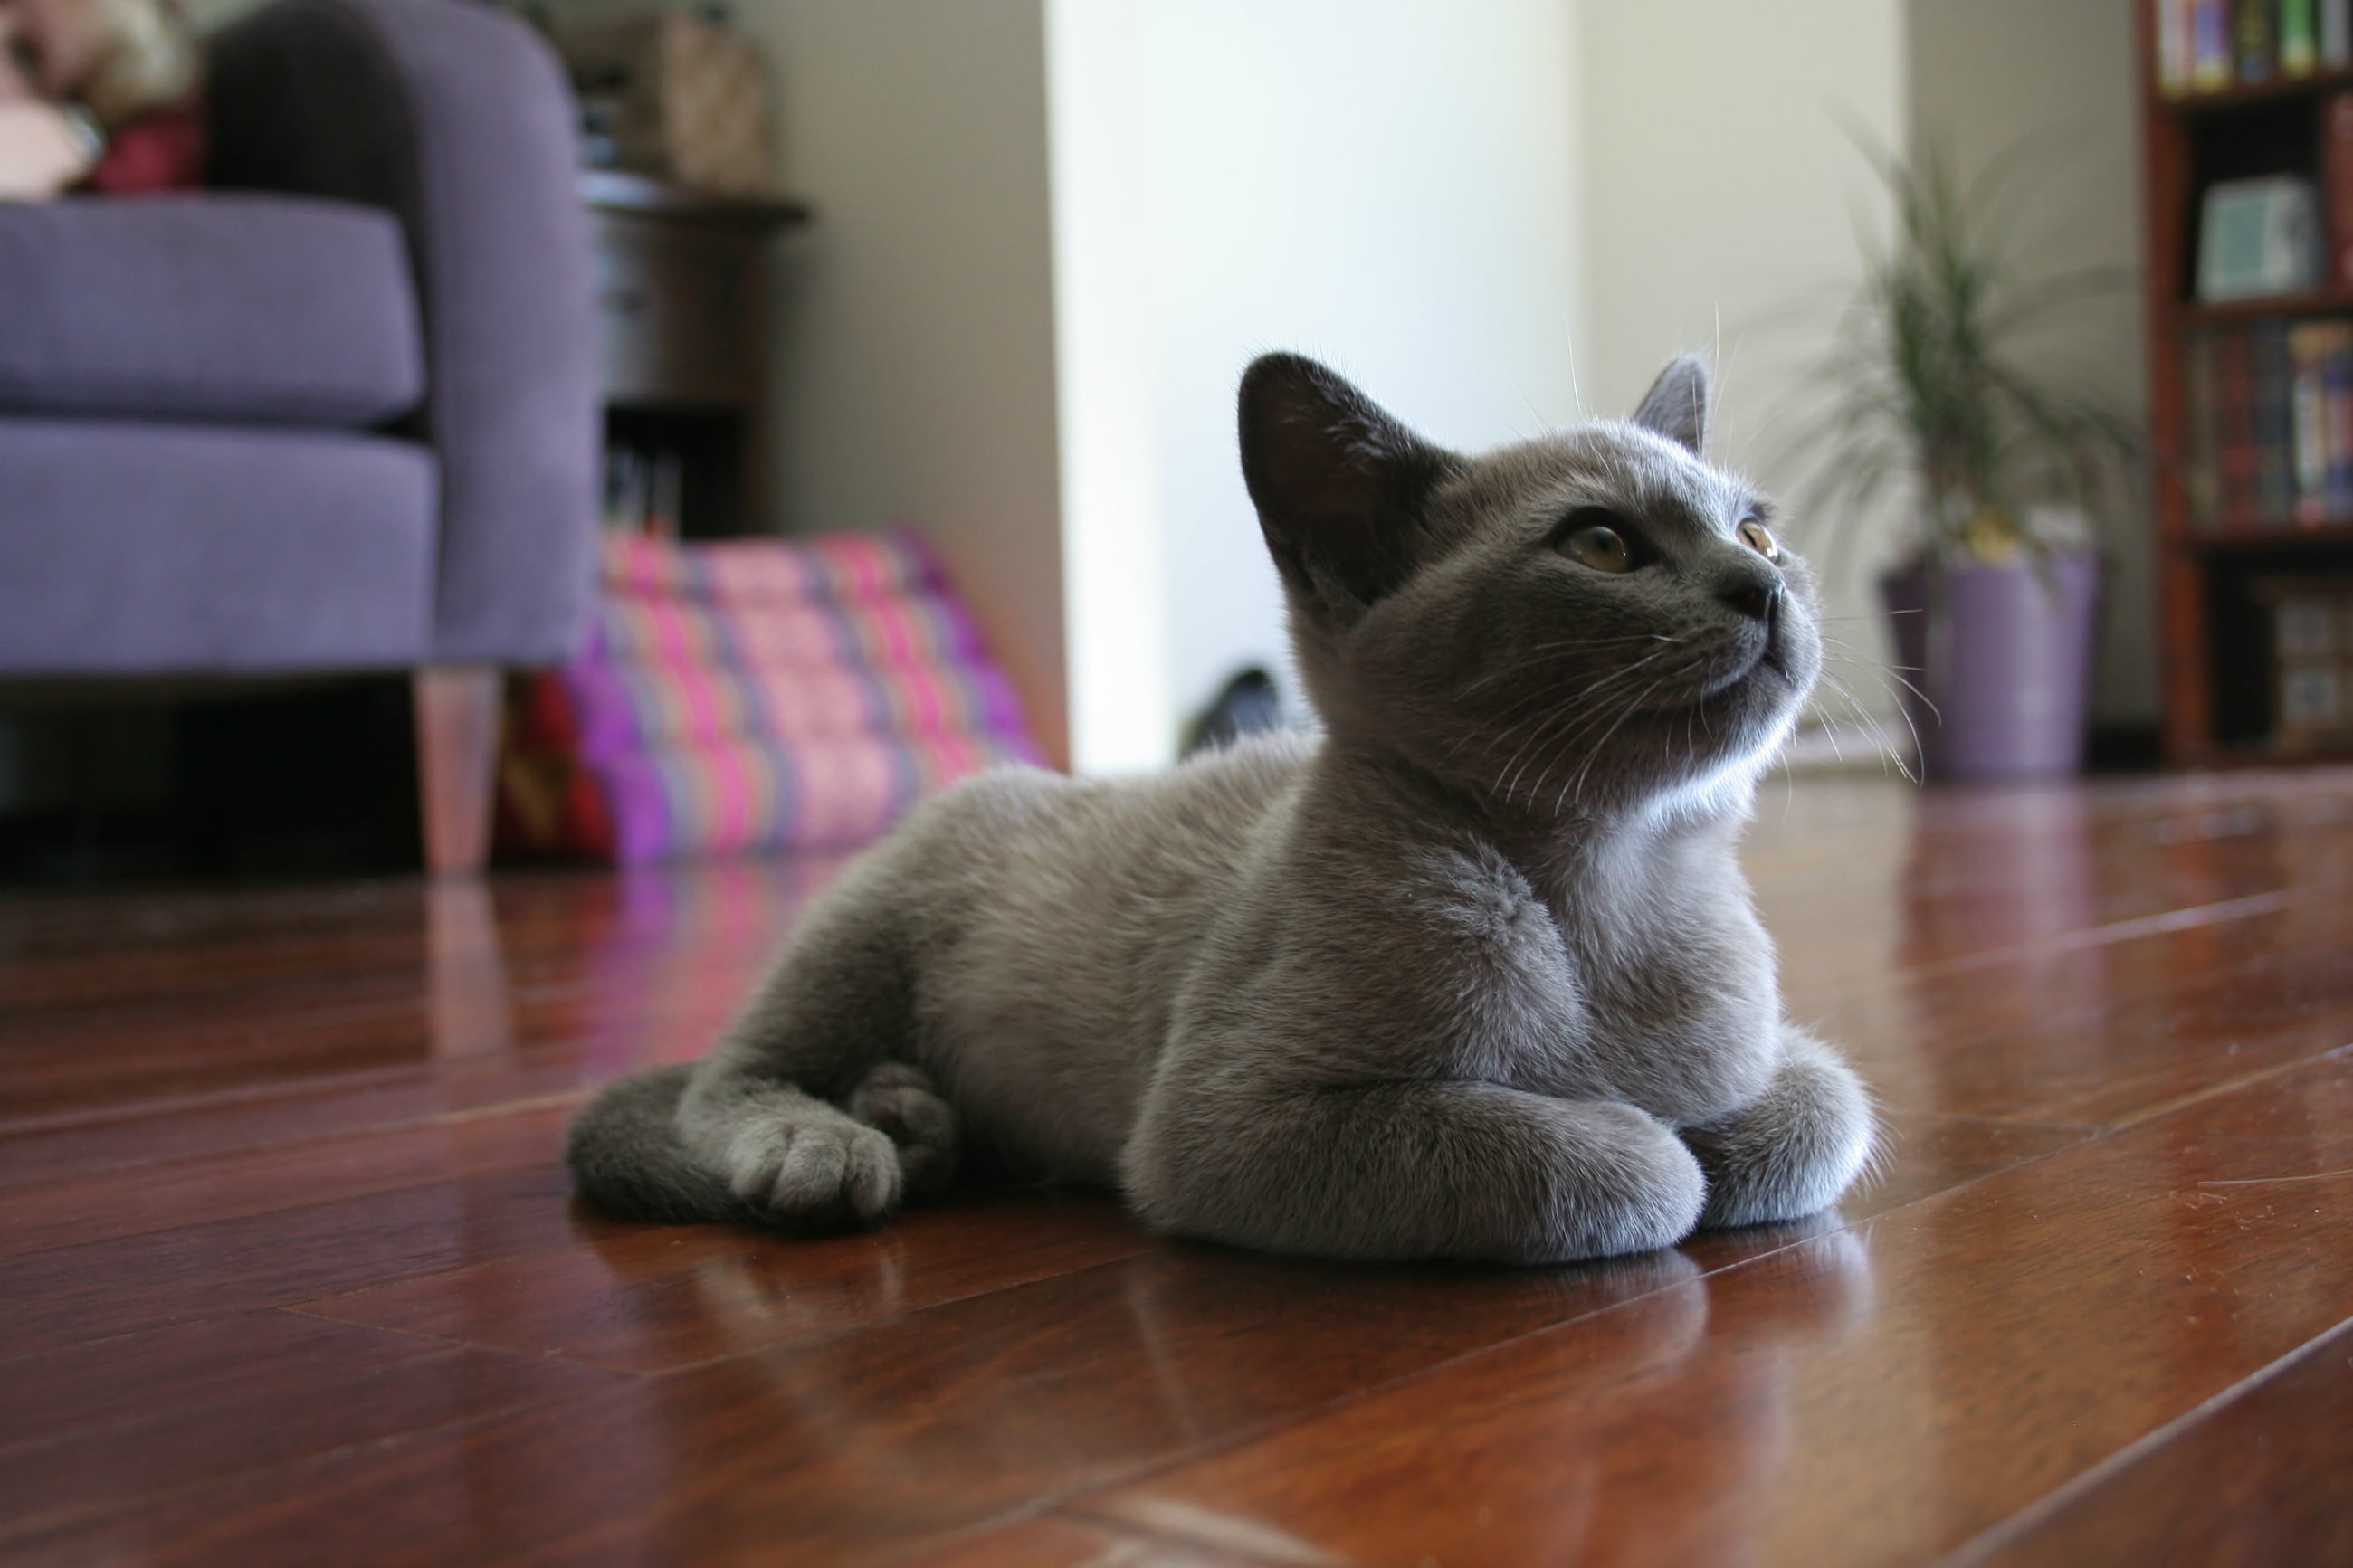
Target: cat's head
1590, 622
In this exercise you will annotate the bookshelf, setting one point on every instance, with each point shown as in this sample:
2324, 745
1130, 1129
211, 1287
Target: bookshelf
2219, 554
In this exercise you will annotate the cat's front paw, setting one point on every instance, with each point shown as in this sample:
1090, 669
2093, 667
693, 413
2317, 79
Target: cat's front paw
1634, 1186
816, 1173
899, 1100
1793, 1151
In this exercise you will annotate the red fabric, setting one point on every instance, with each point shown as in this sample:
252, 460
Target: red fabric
164, 151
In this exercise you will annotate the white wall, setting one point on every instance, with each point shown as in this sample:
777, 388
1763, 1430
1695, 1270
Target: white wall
914, 330
2058, 76
1724, 196
1388, 184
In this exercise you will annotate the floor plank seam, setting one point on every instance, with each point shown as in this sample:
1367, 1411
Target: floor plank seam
1228, 1551
2027, 1123
173, 1105
302, 1306
452, 1342
361, 1195
2026, 1519
1074, 1502
315, 1460
1224, 1551
2228, 1086
814, 1342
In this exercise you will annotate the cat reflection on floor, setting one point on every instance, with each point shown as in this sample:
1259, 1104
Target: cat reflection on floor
1472, 974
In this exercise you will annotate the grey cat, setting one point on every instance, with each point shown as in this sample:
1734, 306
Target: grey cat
1471, 974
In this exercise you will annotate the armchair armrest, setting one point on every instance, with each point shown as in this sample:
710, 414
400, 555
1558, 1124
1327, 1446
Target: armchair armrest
457, 120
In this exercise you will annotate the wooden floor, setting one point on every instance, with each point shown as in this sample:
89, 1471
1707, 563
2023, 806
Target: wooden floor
288, 1271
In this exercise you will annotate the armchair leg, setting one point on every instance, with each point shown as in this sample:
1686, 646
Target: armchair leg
457, 763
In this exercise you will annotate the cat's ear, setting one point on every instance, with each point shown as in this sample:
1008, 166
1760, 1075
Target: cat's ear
1340, 486
1676, 405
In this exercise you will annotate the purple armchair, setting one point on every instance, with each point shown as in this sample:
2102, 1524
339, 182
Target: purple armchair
339, 413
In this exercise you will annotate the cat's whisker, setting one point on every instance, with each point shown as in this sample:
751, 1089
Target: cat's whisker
1538, 654
1579, 725
1865, 659
1887, 753
1577, 783
1886, 671
1543, 696
1881, 673
1545, 700
1533, 722
1569, 708
1593, 752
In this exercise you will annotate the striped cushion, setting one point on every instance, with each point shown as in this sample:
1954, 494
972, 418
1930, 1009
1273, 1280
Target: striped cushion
770, 572
754, 695
915, 627
602, 708
737, 797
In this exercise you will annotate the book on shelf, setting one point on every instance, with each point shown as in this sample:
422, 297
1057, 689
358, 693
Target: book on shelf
2299, 37
2275, 426
2204, 45
2268, 416
2336, 183
2283, 233
2258, 237
2311, 616
645, 492
2255, 38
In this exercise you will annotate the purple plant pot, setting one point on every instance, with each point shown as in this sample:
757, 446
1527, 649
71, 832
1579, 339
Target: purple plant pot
2003, 656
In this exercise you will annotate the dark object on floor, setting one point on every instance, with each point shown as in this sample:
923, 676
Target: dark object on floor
1250, 705
256, 781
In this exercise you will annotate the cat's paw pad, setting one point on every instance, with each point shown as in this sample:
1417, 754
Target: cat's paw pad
901, 1101
817, 1172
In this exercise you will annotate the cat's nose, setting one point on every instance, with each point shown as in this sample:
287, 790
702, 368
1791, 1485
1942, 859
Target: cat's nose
1756, 598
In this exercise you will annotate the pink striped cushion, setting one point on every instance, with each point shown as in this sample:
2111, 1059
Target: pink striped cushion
911, 628
769, 571
734, 796
757, 694
618, 706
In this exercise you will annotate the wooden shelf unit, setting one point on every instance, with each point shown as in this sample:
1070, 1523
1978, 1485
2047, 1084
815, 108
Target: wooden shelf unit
2213, 635
681, 286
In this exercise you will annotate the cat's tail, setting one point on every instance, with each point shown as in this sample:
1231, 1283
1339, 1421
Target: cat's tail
628, 1159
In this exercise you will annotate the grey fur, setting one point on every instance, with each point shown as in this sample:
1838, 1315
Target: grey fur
1473, 973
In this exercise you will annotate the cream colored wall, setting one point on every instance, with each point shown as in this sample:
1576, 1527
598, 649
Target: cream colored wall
1385, 184
1052, 231
915, 325
1722, 197
2057, 76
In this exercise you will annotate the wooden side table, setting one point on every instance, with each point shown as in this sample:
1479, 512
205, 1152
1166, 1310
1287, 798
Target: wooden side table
682, 285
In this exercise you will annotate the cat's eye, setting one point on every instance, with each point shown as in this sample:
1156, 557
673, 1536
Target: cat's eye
1759, 538
1598, 545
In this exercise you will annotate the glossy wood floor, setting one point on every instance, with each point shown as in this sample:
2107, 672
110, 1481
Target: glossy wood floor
289, 1272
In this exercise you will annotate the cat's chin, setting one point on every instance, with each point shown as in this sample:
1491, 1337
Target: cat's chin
1762, 682
1752, 715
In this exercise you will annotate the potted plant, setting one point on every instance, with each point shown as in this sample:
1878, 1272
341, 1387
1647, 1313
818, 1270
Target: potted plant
1993, 600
